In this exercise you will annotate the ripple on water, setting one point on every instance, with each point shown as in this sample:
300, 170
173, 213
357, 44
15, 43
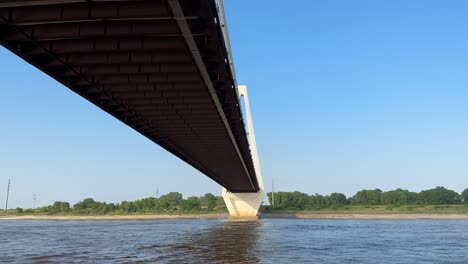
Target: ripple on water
219, 241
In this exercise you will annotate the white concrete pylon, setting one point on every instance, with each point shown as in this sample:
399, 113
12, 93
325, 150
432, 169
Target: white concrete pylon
246, 205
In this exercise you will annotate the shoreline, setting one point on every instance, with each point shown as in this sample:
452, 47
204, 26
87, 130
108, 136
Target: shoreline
343, 216
364, 216
111, 217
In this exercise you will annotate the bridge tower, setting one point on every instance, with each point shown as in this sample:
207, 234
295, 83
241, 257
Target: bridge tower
246, 205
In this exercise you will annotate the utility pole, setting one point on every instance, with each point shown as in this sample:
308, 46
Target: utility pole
8, 194
157, 193
34, 201
272, 191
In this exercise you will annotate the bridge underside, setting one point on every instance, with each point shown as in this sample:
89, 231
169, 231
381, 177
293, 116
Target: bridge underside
159, 66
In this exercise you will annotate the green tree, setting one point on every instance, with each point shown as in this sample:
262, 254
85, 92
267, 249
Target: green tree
209, 200
337, 199
317, 202
290, 200
298, 200
438, 195
464, 196
85, 206
128, 207
191, 204
149, 204
368, 197
398, 196
171, 199
269, 197
110, 207
60, 207
220, 201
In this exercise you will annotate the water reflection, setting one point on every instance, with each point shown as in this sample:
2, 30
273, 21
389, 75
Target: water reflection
228, 242
216, 241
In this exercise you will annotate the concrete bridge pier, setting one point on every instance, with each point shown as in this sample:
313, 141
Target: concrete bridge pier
246, 205
243, 205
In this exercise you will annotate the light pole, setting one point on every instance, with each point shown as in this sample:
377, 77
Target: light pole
7, 196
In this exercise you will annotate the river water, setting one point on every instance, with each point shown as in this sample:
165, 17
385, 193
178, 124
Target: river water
223, 241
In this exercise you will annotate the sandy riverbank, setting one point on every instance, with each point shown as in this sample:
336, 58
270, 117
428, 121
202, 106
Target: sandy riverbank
111, 217
383, 216
400, 216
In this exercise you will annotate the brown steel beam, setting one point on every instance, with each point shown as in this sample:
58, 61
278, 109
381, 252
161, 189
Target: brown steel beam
110, 58
143, 68
83, 20
83, 47
22, 3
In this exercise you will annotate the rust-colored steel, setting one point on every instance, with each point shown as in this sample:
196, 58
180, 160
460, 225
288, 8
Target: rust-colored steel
159, 66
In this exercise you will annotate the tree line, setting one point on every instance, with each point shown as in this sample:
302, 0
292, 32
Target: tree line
170, 203
174, 203
303, 201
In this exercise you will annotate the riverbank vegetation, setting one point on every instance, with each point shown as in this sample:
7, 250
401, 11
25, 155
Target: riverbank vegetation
171, 203
437, 200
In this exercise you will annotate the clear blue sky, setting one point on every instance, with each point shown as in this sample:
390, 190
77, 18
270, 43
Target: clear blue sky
346, 95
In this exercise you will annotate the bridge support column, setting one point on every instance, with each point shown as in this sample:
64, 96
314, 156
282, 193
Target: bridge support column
243, 205
246, 205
